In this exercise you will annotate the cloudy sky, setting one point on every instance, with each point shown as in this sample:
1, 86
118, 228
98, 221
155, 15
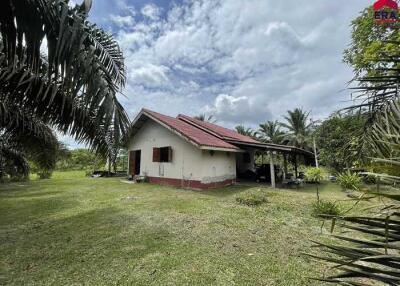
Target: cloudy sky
244, 61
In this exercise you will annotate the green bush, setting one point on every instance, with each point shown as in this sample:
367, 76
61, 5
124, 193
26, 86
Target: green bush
44, 174
313, 175
325, 208
349, 181
252, 198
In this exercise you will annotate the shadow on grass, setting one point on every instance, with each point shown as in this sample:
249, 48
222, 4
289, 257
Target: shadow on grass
84, 244
232, 190
15, 193
223, 192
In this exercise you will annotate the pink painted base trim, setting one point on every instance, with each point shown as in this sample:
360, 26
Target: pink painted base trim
190, 184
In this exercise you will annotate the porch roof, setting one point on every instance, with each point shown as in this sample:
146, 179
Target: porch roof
285, 149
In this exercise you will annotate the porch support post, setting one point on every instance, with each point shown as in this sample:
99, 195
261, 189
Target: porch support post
295, 165
272, 169
285, 171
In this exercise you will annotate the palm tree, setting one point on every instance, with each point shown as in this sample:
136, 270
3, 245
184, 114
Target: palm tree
271, 132
367, 251
70, 84
206, 118
247, 131
298, 131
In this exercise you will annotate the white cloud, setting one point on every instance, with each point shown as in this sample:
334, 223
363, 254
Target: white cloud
151, 11
122, 21
149, 75
245, 61
227, 108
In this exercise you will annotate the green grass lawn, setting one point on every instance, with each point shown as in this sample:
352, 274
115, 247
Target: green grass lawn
72, 230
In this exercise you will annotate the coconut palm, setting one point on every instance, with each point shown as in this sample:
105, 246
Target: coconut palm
206, 118
271, 132
70, 84
247, 131
298, 130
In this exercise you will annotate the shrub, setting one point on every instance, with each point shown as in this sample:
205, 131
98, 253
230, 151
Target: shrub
313, 175
44, 174
325, 208
349, 181
252, 198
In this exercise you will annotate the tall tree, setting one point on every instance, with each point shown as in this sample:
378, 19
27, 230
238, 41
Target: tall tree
339, 143
370, 43
298, 130
271, 132
71, 87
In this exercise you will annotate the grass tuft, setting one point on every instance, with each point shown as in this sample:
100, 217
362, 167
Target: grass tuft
252, 198
326, 208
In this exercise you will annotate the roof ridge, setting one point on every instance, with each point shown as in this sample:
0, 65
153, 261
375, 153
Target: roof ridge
195, 119
189, 131
188, 120
222, 136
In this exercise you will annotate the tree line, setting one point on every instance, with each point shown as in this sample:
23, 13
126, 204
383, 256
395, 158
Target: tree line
338, 139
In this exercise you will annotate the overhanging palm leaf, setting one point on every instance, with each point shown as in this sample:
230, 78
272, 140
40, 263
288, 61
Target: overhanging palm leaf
374, 259
25, 136
371, 253
73, 87
12, 162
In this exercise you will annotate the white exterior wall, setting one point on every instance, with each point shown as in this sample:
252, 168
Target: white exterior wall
188, 161
218, 166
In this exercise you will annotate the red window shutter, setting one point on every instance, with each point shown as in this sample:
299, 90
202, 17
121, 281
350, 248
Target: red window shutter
169, 154
156, 154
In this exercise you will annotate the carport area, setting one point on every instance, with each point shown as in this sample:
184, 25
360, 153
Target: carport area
277, 165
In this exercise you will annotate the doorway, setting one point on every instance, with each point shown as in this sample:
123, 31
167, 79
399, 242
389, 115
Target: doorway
134, 162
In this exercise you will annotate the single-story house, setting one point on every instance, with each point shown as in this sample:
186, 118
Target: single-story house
189, 153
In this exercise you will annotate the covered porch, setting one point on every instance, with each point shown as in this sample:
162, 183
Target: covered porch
273, 164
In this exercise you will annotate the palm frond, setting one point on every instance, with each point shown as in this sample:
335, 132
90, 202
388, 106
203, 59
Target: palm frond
370, 252
74, 87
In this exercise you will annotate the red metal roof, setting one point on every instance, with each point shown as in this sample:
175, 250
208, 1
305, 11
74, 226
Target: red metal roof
189, 131
221, 132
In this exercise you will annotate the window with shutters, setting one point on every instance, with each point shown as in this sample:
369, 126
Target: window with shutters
156, 154
163, 154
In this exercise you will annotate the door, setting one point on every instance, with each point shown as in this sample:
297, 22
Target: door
134, 162
137, 162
